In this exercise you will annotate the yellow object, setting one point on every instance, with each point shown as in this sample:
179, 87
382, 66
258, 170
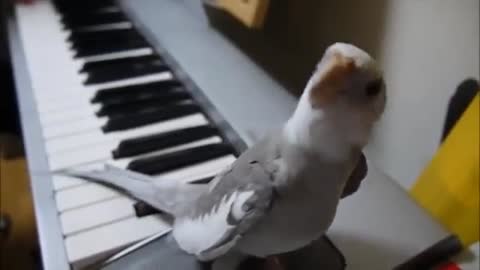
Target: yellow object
252, 13
449, 186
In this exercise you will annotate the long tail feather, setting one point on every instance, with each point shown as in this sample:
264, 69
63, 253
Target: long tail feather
135, 184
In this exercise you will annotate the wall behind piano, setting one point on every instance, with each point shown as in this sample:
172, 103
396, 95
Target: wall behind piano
426, 48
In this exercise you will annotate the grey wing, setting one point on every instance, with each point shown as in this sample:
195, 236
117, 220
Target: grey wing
220, 218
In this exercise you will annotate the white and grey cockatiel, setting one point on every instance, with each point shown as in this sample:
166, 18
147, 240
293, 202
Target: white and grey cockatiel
282, 193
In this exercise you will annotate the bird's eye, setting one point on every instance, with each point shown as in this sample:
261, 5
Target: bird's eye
374, 87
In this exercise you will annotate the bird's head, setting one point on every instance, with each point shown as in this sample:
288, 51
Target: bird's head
346, 92
347, 81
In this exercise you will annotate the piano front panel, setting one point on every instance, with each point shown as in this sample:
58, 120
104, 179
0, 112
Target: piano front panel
105, 96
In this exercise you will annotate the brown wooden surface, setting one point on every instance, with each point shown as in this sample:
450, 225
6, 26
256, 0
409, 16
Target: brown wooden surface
16, 250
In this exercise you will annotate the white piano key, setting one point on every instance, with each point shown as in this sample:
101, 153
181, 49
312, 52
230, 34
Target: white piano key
49, 105
161, 76
97, 136
118, 55
190, 173
61, 73
49, 83
60, 104
83, 195
70, 80
91, 193
61, 88
109, 9
95, 215
49, 100
56, 53
86, 247
96, 153
75, 127
103, 153
69, 110
50, 119
79, 140
64, 82
64, 181
58, 100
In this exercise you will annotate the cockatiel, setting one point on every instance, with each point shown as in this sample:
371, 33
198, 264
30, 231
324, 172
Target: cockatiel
282, 193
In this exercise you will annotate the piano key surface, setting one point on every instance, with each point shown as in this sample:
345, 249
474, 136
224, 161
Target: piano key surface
89, 106
83, 248
231, 81
90, 216
103, 154
50, 237
188, 174
97, 136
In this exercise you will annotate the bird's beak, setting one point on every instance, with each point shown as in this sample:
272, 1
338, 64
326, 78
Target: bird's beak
327, 82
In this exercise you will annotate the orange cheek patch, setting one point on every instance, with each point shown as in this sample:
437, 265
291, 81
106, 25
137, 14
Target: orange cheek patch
329, 86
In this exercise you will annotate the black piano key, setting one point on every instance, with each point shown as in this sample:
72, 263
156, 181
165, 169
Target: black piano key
108, 41
120, 72
115, 63
171, 161
109, 95
80, 39
110, 47
90, 43
164, 96
80, 7
132, 91
83, 11
202, 181
84, 26
140, 119
104, 94
136, 146
85, 4
128, 106
143, 209
92, 18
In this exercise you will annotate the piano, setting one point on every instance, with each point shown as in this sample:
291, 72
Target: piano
149, 86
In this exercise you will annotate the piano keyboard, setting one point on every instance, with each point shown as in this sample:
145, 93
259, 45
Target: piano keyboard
104, 96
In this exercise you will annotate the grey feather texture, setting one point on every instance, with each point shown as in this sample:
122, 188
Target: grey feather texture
282, 193
164, 195
247, 175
